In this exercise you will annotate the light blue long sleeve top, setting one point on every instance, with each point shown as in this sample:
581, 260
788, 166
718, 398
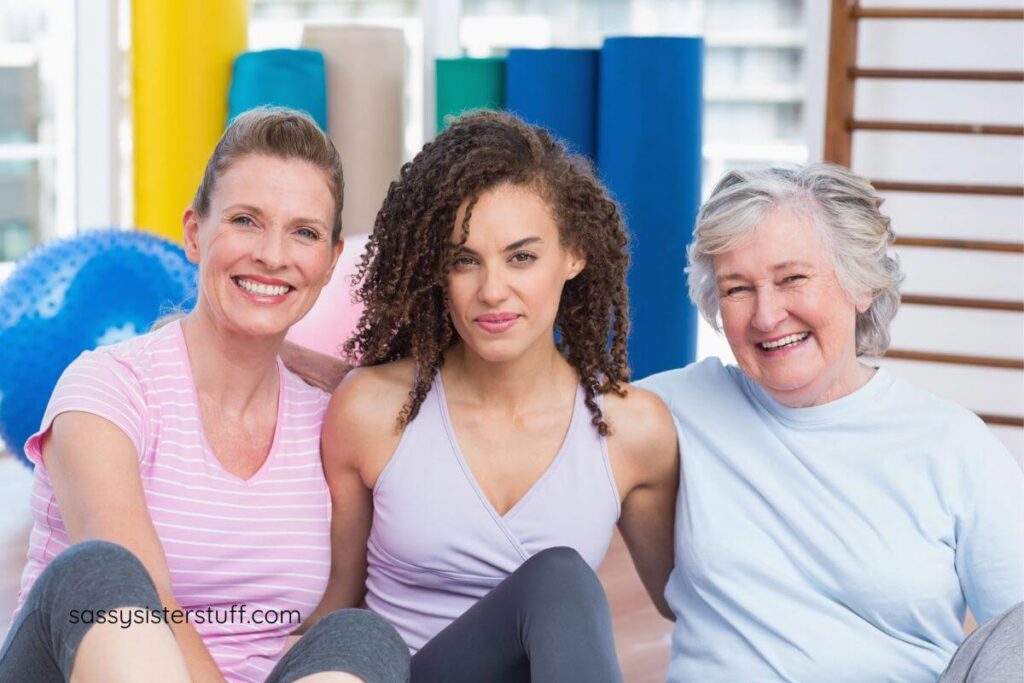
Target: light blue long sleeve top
841, 542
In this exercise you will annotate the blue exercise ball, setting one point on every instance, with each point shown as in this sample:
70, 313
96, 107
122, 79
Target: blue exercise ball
73, 295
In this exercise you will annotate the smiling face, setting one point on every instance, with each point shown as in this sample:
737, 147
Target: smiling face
505, 285
264, 249
789, 323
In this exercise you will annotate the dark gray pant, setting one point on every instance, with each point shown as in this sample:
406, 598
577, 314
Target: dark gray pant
993, 653
96, 575
547, 622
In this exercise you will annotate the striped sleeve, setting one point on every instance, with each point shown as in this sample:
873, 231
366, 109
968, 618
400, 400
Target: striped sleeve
98, 383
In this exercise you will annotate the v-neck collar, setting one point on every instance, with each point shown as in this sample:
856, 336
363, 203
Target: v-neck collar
208, 453
471, 478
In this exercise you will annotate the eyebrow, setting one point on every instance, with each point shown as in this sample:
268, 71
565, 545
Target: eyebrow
518, 244
785, 265
304, 220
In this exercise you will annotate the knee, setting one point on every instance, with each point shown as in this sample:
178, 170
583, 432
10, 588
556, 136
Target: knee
560, 575
94, 559
92, 567
361, 630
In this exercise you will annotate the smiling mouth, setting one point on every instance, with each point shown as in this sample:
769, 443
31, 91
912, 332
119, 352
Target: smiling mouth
789, 340
261, 289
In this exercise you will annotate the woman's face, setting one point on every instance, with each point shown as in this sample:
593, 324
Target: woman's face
264, 250
788, 322
505, 284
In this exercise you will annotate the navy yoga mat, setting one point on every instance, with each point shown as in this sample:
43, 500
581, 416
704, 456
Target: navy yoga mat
286, 78
649, 154
556, 89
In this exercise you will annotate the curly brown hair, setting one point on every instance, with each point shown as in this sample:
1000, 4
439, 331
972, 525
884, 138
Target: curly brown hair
403, 275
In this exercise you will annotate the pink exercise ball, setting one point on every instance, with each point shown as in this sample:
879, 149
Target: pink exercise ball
334, 316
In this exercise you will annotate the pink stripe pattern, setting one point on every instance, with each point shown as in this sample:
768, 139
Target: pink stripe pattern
263, 541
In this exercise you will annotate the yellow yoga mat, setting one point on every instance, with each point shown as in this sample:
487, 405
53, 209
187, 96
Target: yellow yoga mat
365, 93
182, 53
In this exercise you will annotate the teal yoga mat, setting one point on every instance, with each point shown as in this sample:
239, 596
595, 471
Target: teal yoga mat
286, 78
466, 83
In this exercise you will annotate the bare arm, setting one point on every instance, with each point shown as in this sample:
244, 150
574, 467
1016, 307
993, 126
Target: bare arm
95, 473
647, 439
315, 368
358, 438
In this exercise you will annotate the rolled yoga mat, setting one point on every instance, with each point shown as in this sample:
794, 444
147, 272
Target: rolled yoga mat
182, 53
466, 83
365, 96
649, 152
556, 89
285, 78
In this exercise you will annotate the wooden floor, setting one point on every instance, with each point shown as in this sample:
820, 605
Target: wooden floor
641, 634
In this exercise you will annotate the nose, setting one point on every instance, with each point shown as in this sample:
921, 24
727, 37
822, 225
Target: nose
769, 311
493, 286
270, 249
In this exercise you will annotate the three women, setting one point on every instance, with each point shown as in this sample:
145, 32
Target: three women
813, 485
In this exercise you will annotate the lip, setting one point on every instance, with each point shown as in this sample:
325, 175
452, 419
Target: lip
496, 323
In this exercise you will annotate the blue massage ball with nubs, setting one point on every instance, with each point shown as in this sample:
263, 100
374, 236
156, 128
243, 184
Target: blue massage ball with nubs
73, 295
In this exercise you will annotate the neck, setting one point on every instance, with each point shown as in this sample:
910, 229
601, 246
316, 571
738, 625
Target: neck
507, 385
852, 377
228, 368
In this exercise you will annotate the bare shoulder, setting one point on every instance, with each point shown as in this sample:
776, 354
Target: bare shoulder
372, 397
361, 425
642, 431
639, 416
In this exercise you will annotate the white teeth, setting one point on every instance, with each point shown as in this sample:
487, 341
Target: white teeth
260, 289
785, 341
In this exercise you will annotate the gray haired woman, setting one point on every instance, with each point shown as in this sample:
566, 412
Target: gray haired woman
834, 521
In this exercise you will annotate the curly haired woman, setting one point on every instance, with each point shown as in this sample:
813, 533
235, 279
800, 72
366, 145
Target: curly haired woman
490, 441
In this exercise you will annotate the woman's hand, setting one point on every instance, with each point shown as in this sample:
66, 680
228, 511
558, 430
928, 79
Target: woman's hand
316, 369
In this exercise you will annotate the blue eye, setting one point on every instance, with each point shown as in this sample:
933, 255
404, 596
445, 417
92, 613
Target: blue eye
308, 233
242, 220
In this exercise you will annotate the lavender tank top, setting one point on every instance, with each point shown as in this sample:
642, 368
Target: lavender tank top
437, 545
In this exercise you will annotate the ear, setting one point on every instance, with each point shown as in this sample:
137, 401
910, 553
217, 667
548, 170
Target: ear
190, 233
576, 265
335, 255
863, 303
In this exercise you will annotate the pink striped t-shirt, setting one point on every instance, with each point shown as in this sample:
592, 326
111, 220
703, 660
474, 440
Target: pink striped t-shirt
263, 542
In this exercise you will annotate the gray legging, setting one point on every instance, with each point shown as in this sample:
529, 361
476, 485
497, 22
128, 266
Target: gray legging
97, 575
994, 653
548, 621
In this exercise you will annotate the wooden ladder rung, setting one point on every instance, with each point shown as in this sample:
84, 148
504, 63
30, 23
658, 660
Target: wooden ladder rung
972, 245
957, 359
950, 188
933, 13
963, 302
937, 74
1005, 420
921, 127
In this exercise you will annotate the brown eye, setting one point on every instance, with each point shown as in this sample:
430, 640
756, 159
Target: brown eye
523, 257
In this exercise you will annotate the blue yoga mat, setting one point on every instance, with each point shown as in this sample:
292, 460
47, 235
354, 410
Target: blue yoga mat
286, 78
556, 89
649, 151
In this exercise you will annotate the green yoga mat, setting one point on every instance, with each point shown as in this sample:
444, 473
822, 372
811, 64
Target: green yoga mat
467, 83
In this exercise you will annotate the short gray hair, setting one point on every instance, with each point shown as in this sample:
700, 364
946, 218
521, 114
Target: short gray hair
842, 204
